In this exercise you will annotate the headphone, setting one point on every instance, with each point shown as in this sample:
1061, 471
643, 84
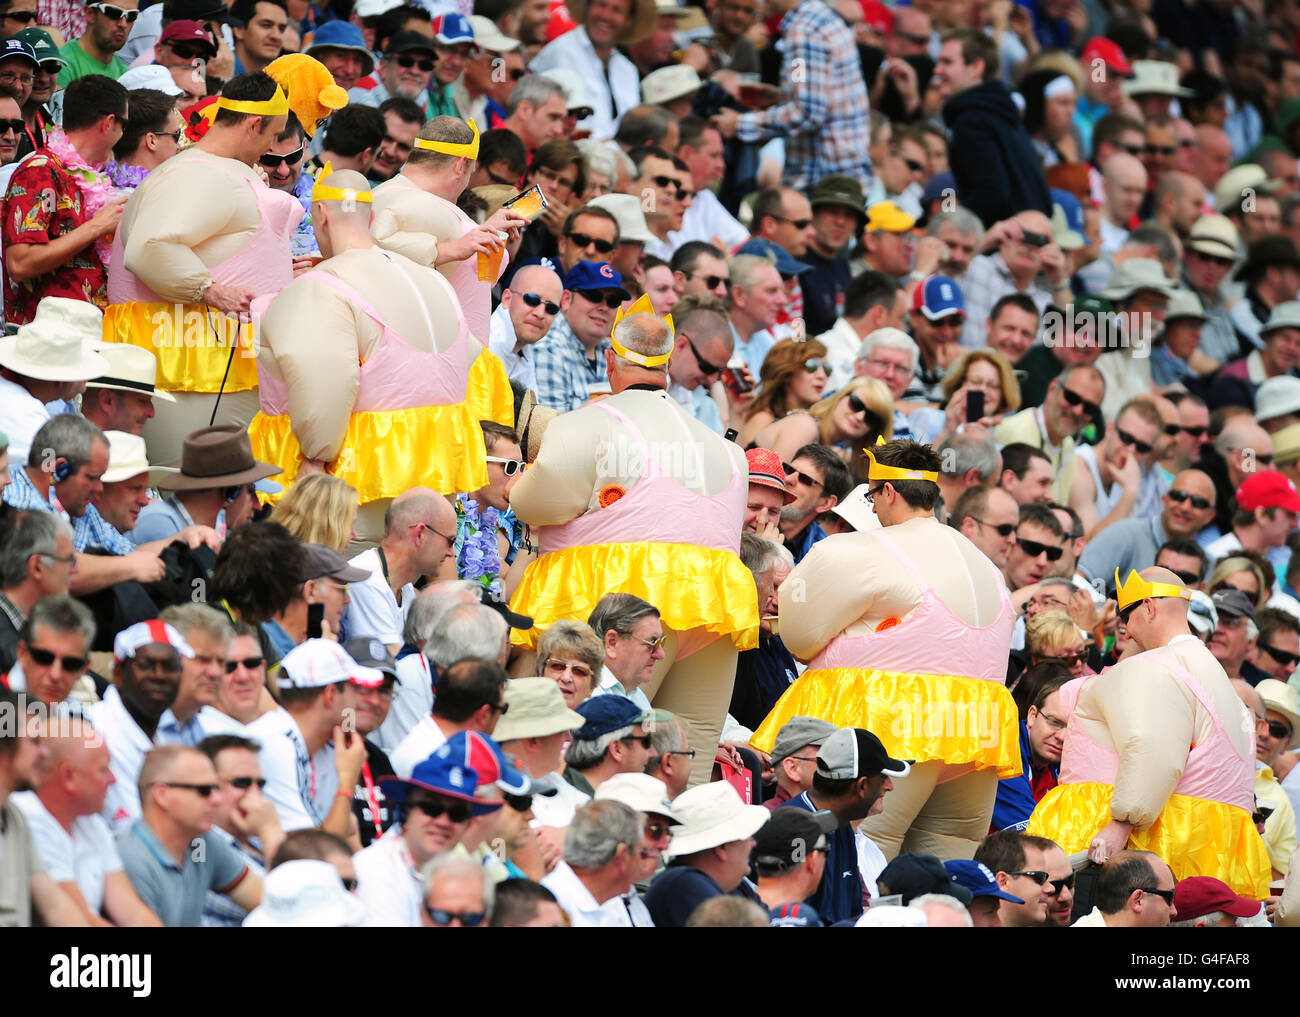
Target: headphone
62, 470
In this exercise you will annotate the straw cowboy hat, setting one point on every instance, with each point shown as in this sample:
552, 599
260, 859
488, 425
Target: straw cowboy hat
644, 15
130, 369
533, 421
55, 345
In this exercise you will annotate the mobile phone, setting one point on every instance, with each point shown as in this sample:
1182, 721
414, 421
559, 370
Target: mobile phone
734, 378
1031, 239
315, 620
974, 405
529, 203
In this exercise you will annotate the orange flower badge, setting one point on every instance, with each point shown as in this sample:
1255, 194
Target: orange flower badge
610, 493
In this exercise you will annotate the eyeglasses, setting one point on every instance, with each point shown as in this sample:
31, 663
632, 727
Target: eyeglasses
889, 366
1143, 447
1175, 495
44, 658
610, 300
533, 300
654, 829
23, 17
1055, 886
188, 51
174, 135
508, 466
1070, 659
866, 412
1282, 657
432, 529
384, 691
248, 664
1260, 457
706, 366
1275, 727
12, 77
559, 667
202, 790
503, 181
688, 753
425, 64
17, 126
653, 644
244, 783
1074, 399
457, 812
647, 742
583, 240
499, 708
1166, 895
800, 476
115, 13
62, 559
273, 161
711, 282
813, 366
169, 665
1037, 875
1033, 548
1003, 530
440, 917
671, 184
1195, 432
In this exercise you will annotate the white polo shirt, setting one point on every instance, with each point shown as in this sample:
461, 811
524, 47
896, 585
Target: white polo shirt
374, 611
388, 883
84, 856
583, 910
127, 747
420, 743
301, 786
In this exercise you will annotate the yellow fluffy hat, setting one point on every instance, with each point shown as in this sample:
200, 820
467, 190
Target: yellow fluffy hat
312, 93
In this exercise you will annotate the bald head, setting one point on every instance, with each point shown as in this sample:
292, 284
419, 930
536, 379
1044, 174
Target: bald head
1241, 443
1035, 222
1157, 620
1248, 695
418, 505
539, 279
1196, 482
342, 223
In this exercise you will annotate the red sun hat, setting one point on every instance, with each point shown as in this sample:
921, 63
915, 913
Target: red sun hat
766, 470
1268, 489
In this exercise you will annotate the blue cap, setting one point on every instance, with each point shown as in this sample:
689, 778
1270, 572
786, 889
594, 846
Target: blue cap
594, 275
938, 297
976, 877
786, 264
453, 29
1073, 209
935, 188
342, 35
15, 47
604, 714
444, 773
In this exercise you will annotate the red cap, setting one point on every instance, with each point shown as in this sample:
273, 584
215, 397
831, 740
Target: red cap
878, 16
559, 22
187, 31
1268, 489
1197, 896
1109, 53
766, 470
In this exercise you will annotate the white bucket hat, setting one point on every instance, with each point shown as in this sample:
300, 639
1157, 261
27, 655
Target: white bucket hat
669, 83
305, 894
130, 369
1285, 700
1155, 77
712, 815
55, 345
638, 791
127, 458
626, 208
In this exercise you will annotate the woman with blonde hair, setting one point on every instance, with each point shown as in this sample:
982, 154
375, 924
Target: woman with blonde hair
792, 378
1052, 637
986, 371
319, 509
1242, 573
849, 421
571, 655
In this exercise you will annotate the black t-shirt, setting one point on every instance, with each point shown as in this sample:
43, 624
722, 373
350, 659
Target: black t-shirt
379, 767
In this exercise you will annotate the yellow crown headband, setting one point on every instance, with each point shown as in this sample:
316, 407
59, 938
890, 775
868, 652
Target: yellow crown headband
469, 151
1136, 589
879, 471
272, 107
320, 192
641, 306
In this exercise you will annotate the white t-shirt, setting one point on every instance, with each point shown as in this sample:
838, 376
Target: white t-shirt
127, 747
582, 908
420, 743
412, 701
84, 856
388, 883
374, 612
301, 787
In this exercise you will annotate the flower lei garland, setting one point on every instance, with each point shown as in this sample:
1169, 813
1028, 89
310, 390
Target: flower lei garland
97, 190
478, 557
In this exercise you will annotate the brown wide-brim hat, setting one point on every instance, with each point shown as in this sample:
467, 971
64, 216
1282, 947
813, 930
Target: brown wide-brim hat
644, 15
531, 426
220, 456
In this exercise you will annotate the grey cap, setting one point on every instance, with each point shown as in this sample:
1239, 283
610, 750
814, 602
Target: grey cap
371, 653
852, 752
325, 561
1234, 604
798, 732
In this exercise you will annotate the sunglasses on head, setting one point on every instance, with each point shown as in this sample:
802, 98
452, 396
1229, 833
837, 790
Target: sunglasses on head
610, 300
457, 812
583, 240
1281, 656
440, 917
115, 13
872, 417
248, 664
1143, 447
17, 125
244, 783
45, 658
1175, 495
1074, 399
508, 466
1033, 548
424, 63
1275, 727
533, 300
273, 161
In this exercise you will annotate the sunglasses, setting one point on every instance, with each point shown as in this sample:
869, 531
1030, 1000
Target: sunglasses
1160, 149
508, 466
17, 125
1166, 895
248, 664
458, 812
45, 658
425, 64
115, 13
583, 240
813, 366
1033, 548
23, 17
189, 51
652, 644
914, 166
1267, 460
1037, 875
799, 224
655, 829
1195, 432
670, 184
646, 741
1057, 885
520, 803
1275, 727
610, 300
1171, 430
1188, 578
711, 282
273, 161
244, 783
800, 476
1074, 399
1031, 239
1213, 258
1134, 150
533, 300
1003, 530
1175, 495
706, 366
871, 416
558, 667
202, 790
1068, 659
1143, 447
440, 917
174, 135
1281, 656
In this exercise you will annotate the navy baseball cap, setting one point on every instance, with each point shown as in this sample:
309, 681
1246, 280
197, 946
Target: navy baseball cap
977, 880
594, 275
786, 263
604, 714
452, 29
939, 297
938, 186
15, 47
914, 875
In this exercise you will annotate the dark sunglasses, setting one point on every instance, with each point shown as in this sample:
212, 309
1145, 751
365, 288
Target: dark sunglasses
1037, 875
45, 658
872, 417
202, 790
174, 135
1031, 239
248, 663
655, 829
458, 812
1266, 460
1033, 548
1166, 895
1282, 657
706, 366
1160, 149
1003, 530
440, 917
799, 224
273, 161
1057, 885
1275, 727
1195, 432
1171, 430
914, 166
1221, 262
1143, 447
582, 240
115, 13
670, 184
533, 300
244, 783
1134, 150
1074, 399
1188, 578
1197, 501
520, 803
425, 64
610, 300
25, 17
711, 282
17, 125
647, 741
188, 50
800, 476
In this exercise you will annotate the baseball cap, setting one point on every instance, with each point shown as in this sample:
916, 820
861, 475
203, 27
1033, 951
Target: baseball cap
800, 732
42, 44
1276, 397
404, 42
444, 773
789, 837
885, 215
153, 76
639, 791
374, 8
536, 709
786, 264
371, 653
603, 714
978, 880
1197, 896
489, 37
594, 275
187, 31
325, 561
492, 598
1233, 603
765, 470
1109, 53
1201, 613
320, 662
937, 297
852, 752
1268, 489
143, 633
483, 755
16, 47
878, 17
452, 28
914, 875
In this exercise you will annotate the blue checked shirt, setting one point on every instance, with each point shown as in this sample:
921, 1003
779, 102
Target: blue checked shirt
564, 374
22, 494
93, 530
823, 113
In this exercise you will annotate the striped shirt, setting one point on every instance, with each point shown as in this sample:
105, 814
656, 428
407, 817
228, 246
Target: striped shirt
565, 374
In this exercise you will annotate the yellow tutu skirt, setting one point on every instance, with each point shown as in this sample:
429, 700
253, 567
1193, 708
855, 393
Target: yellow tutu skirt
192, 343
489, 396
386, 452
920, 717
1196, 837
692, 587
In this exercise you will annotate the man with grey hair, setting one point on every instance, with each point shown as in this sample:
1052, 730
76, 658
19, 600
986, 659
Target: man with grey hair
756, 297
890, 356
470, 694
537, 111
53, 651
794, 757
603, 849
962, 234
966, 461
458, 893
632, 634
671, 762
616, 738
35, 561
208, 631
